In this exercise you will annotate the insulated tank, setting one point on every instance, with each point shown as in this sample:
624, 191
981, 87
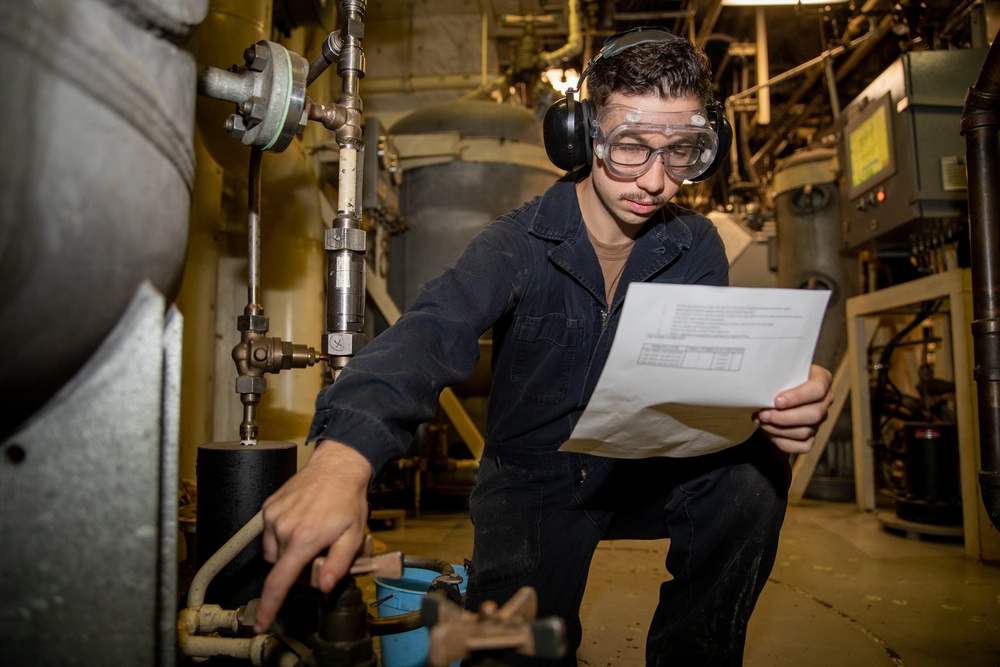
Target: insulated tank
807, 212
464, 163
95, 184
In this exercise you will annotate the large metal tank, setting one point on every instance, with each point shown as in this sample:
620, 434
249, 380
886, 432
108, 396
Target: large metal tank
807, 212
95, 187
95, 181
464, 163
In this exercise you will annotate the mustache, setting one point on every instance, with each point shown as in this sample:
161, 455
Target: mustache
643, 198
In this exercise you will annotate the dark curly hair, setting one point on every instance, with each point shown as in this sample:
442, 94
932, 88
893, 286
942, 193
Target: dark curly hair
669, 69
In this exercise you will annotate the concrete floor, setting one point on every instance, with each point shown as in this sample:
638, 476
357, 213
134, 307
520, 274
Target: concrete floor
843, 592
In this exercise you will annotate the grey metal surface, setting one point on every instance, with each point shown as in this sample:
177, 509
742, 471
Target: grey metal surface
445, 205
473, 118
926, 89
96, 180
86, 554
809, 241
173, 337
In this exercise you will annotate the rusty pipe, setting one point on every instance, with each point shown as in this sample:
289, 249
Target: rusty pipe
981, 129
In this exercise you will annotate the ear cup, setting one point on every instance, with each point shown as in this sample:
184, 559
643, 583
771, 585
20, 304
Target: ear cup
566, 126
717, 119
566, 133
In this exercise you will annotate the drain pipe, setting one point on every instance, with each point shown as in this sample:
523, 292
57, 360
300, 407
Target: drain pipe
980, 123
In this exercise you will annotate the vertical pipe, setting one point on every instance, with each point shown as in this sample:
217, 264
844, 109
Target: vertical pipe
345, 242
980, 123
253, 233
763, 71
484, 50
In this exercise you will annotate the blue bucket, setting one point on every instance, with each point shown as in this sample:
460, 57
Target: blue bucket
401, 596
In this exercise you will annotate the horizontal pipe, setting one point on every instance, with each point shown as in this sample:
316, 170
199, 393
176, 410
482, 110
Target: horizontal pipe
220, 84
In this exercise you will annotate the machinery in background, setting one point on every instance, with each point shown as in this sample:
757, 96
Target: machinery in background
981, 130
914, 437
903, 193
452, 156
808, 213
904, 183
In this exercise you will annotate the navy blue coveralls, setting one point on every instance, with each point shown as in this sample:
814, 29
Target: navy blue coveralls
533, 276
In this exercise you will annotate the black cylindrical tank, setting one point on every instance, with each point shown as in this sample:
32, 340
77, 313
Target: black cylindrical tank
234, 480
95, 181
932, 489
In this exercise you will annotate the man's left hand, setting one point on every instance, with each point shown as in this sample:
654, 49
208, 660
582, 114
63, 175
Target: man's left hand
797, 413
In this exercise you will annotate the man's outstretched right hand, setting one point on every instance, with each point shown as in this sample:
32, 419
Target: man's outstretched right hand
324, 505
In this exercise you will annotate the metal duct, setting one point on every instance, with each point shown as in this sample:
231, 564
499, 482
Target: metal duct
980, 122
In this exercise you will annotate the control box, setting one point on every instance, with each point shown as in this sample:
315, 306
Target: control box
902, 155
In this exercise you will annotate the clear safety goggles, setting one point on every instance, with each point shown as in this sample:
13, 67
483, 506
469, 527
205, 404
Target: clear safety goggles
630, 141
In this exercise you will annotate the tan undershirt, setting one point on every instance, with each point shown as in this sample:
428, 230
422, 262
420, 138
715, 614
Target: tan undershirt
612, 257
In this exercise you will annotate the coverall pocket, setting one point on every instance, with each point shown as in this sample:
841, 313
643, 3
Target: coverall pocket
505, 508
545, 353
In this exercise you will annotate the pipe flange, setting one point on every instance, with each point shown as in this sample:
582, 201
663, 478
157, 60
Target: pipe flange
274, 111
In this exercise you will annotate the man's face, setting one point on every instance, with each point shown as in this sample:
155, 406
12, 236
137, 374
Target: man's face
629, 198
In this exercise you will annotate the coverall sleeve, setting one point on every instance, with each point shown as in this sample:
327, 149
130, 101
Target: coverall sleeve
393, 384
713, 265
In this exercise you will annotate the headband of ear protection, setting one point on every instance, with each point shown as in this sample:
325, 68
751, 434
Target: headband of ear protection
567, 126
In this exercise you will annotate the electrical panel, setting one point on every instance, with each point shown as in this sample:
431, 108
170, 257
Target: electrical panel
902, 154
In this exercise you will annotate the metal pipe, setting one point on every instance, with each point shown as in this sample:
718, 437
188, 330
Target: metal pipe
237, 543
763, 70
345, 241
194, 646
799, 69
831, 87
573, 46
708, 23
253, 233
574, 39
980, 123
223, 85
795, 119
251, 384
328, 55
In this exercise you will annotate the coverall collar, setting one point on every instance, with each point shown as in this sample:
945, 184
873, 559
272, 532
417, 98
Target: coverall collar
559, 219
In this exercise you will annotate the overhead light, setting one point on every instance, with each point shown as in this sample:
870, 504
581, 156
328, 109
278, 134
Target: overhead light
562, 80
771, 3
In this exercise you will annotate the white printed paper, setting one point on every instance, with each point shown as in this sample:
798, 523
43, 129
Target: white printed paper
690, 364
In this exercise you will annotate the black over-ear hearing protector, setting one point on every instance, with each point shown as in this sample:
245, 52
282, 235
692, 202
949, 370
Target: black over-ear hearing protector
567, 126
